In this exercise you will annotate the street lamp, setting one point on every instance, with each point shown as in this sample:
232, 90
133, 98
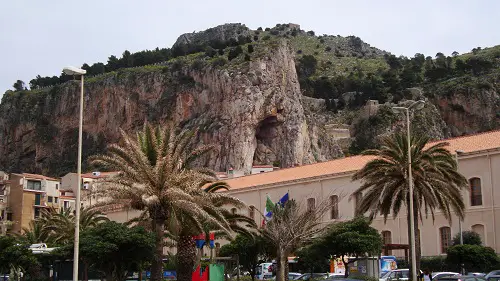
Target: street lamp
77, 72
398, 109
458, 152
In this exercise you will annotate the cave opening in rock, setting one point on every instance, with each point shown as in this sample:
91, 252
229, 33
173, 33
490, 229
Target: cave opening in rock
266, 134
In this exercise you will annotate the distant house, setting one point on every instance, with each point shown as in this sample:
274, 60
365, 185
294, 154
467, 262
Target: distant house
29, 194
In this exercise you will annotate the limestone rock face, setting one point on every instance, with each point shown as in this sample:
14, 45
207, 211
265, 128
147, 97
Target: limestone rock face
252, 114
221, 33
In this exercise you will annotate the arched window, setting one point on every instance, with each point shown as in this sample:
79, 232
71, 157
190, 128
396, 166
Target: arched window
334, 200
445, 237
233, 211
311, 204
479, 229
251, 212
476, 196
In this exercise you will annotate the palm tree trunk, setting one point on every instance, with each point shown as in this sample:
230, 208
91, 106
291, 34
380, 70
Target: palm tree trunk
281, 272
417, 236
157, 264
186, 253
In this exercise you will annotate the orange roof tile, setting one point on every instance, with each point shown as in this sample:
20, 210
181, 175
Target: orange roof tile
39, 177
468, 144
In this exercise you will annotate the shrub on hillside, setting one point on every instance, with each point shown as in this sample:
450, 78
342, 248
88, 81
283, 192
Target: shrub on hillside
310, 33
220, 61
267, 29
234, 52
250, 49
259, 29
328, 49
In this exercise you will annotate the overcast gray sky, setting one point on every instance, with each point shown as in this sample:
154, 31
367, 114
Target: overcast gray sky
41, 37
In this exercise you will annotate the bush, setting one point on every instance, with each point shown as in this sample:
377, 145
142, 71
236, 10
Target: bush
328, 49
221, 52
310, 33
294, 32
316, 53
322, 40
256, 38
250, 49
267, 29
433, 264
234, 52
275, 32
267, 37
299, 52
473, 257
469, 237
197, 64
259, 29
317, 46
210, 52
247, 57
219, 62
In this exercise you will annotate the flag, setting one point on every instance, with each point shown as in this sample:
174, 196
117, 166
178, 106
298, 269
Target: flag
283, 200
268, 212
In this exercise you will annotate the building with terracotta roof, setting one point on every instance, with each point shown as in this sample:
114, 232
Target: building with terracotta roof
91, 194
29, 194
479, 162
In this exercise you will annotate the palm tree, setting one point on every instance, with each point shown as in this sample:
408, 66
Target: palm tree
436, 182
155, 168
38, 232
184, 225
290, 228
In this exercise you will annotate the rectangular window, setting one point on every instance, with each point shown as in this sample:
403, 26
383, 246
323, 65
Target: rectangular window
66, 205
334, 200
37, 213
445, 235
56, 199
476, 197
33, 185
57, 186
38, 199
9, 216
311, 204
49, 199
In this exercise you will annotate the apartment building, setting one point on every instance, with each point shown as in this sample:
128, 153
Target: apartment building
92, 194
4, 197
29, 194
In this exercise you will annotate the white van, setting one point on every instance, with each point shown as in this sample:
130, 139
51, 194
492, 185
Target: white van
264, 271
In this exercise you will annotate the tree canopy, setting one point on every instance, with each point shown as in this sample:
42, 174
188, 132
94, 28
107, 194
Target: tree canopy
16, 256
250, 250
114, 249
469, 238
475, 258
353, 238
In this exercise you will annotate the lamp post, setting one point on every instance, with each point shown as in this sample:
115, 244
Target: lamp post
77, 72
458, 152
417, 106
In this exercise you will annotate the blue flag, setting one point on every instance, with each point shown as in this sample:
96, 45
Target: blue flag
283, 200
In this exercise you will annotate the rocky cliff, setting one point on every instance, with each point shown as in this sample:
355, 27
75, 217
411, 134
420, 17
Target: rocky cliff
279, 96
251, 112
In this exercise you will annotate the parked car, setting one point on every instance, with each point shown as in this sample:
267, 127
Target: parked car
493, 278
462, 278
397, 274
291, 276
480, 274
439, 275
307, 276
494, 272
